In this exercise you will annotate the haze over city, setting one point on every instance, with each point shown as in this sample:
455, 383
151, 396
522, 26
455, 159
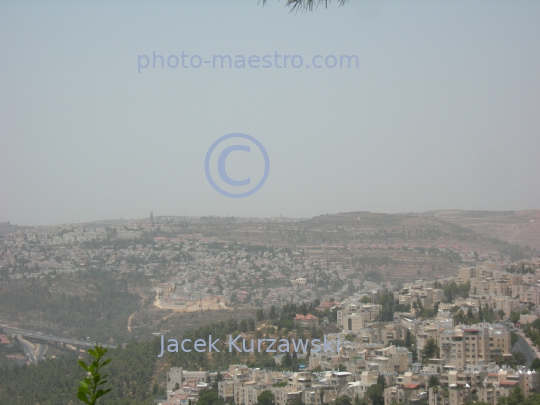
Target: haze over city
265, 202
440, 114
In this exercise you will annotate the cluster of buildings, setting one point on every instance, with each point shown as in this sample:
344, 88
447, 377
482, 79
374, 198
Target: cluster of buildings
354, 314
502, 289
185, 267
456, 385
184, 386
467, 362
189, 267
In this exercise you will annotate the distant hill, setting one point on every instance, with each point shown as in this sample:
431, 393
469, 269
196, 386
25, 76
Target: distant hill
430, 228
7, 228
517, 227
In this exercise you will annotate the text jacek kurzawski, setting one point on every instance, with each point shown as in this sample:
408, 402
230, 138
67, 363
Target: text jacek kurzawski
242, 345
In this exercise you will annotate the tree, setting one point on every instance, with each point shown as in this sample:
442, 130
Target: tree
219, 378
286, 361
388, 303
459, 318
408, 339
514, 317
251, 324
381, 381
90, 389
375, 394
359, 400
433, 381
430, 350
266, 398
343, 400
519, 357
309, 5
321, 395
209, 397
470, 314
516, 397
513, 339
445, 393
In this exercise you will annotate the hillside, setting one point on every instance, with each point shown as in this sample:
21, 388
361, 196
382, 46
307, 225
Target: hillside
516, 227
364, 229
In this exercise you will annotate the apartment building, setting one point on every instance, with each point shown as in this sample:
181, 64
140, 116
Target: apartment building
177, 375
465, 274
424, 334
500, 384
355, 315
389, 360
428, 296
526, 293
454, 394
412, 393
478, 344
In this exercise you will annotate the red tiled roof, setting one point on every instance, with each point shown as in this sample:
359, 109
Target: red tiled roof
411, 386
308, 317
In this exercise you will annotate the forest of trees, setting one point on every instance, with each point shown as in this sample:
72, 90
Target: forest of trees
136, 374
99, 312
55, 381
283, 319
14, 347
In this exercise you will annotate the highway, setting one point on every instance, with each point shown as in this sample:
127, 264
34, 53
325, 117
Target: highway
49, 338
29, 351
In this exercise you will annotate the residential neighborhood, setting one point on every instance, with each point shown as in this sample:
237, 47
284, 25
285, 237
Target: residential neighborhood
463, 352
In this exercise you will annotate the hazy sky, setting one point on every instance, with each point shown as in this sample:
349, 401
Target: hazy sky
443, 110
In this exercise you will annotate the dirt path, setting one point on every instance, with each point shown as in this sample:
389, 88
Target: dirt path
211, 303
133, 314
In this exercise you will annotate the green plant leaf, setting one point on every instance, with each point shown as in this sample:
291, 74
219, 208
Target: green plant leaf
83, 398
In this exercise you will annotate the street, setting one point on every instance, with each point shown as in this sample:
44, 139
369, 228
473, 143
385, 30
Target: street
524, 347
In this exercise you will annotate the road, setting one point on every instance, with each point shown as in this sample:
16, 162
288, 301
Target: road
49, 338
41, 351
29, 351
525, 348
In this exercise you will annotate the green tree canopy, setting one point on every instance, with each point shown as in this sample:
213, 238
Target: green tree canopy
516, 397
430, 350
375, 394
343, 400
265, 398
